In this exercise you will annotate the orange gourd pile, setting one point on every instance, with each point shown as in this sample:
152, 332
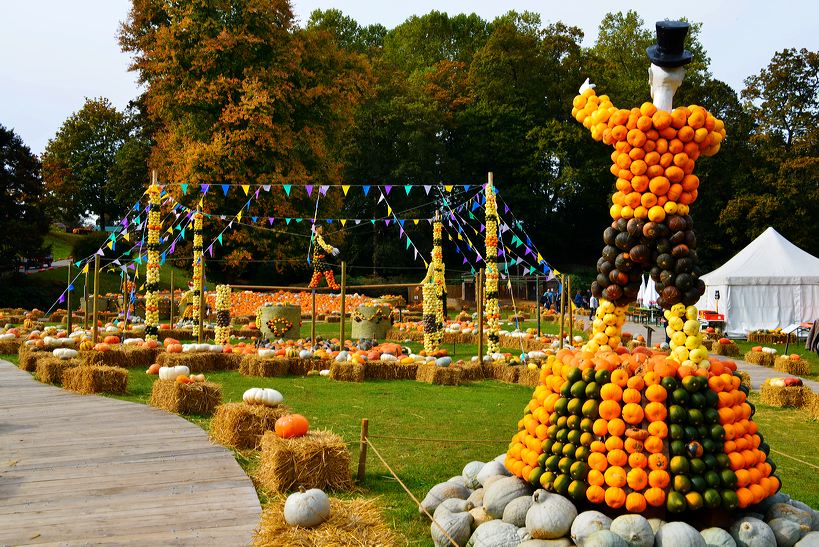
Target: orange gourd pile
637, 430
654, 153
244, 303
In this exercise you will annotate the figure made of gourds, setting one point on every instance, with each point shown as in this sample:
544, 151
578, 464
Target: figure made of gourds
433, 288
320, 267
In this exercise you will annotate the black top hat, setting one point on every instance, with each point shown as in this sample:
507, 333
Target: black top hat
669, 52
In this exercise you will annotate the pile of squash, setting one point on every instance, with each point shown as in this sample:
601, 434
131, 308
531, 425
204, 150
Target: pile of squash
636, 430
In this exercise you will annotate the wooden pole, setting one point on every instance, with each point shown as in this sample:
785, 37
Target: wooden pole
170, 317
362, 450
343, 292
85, 297
562, 308
202, 300
537, 302
479, 304
571, 311
96, 297
68, 298
313, 318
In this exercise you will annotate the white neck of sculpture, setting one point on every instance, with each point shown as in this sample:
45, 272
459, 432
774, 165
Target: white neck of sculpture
664, 83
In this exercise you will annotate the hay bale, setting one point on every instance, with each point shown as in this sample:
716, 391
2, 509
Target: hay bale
28, 357
529, 376
506, 373
319, 459
442, 376
760, 358
794, 368
301, 367
253, 365
96, 379
195, 398
124, 356
352, 523
50, 370
240, 425
784, 396
206, 361
333, 319
729, 350
472, 372
390, 370
347, 372
812, 405
10, 347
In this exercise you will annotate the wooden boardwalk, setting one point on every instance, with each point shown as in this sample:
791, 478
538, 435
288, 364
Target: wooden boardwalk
80, 470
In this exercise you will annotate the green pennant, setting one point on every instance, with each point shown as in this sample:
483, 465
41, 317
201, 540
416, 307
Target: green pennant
408, 243
287, 188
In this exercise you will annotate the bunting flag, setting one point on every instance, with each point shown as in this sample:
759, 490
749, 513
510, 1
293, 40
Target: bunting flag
287, 188
345, 189
246, 188
309, 189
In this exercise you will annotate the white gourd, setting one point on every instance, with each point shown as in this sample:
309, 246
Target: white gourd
443, 361
786, 532
249, 396
752, 532
634, 529
271, 397
132, 341
495, 533
498, 495
307, 508
305, 354
550, 516
515, 511
491, 469
586, 524
605, 538
717, 537
674, 534
470, 474
811, 539
215, 348
264, 352
441, 492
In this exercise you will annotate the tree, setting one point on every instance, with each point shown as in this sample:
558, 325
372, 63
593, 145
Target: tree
84, 165
22, 217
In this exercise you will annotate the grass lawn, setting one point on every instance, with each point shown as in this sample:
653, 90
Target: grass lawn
62, 244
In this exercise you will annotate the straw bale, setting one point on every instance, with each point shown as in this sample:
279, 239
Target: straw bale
529, 376
794, 368
300, 367
333, 319
745, 378
390, 370
770, 337
352, 523
96, 379
203, 361
709, 345
443, 376
319, 459
247, 333
471, 372
347, 372
457, 338
28, 357
124, 356
784, 396
504, 373
812, 405
240, 425
760, 358
729, 350
253, 365
10, 347
50, 370
196, 398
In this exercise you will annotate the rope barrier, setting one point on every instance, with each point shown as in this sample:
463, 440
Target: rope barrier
411, 495
459, 441
795, 459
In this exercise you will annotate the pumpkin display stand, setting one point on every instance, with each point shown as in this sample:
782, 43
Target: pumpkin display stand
203, 361
96, 379
761, 358
727, 349
442, 376
794, 367
390, 370
280, 322
195, 398
371, 322
50, 371
123, 356
253, 365
795, 396
11, 346
351, 522
319, 459
347, 372
241, 425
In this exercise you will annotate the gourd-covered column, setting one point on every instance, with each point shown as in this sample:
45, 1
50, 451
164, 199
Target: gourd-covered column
222, 333
197, 270
433, 288
491, 308
152, 273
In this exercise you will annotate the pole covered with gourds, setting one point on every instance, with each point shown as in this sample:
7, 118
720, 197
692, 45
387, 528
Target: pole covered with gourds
197, 272
222, 332
491, 307
152, 269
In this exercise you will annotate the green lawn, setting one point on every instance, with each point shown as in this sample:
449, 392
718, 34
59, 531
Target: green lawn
62, 244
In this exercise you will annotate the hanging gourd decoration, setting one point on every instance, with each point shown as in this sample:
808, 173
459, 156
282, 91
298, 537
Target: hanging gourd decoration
197, 271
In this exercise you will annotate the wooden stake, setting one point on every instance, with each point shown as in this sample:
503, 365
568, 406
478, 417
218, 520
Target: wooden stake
170, 318
313, 318
96, 297
562, 308
202, 300
479, 304
362, 450
343, 291
68, 297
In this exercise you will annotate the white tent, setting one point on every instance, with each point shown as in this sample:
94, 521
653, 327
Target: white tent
770, 283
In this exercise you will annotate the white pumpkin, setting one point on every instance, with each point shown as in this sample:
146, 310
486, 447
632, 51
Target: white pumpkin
388, 357
495, 533
305, 354
586, 523
790, 512
811, 539
550, 516
453, 516
215, 348
470, 474
172, 373
635, 529
675, 534
7, 336
752, 532
717, 537
132, 341
441, 492
498, 495
264, 352
491, 469
606, 538
64, 353
443, 361
515, 511
307, 508
262, 396
325, 372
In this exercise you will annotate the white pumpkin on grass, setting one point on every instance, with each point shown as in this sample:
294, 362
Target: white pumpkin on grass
307, 508
440, 492
172, 373
495, 533
64, 353
550, 516
262, 396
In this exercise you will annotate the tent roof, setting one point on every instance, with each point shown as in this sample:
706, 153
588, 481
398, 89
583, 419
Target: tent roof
770, 259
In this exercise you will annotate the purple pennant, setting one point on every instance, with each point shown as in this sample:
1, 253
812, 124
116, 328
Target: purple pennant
270, 220
125, 222
257, 192
173, 247
387, 222
465, 261
400, 232
309, 188
323, 190
210, 251
62, 298
501, 252
387, 189
529, 251
205, 188
505, 208
483, 227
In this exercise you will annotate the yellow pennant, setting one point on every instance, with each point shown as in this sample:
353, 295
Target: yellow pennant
448, 188
539, 258
416, 221
246, 188
110, 245
239, 216
126, 236
389, 210
343, 221
345, 188
85, 269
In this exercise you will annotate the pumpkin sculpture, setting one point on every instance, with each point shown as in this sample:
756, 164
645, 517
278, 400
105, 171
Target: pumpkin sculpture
637, 429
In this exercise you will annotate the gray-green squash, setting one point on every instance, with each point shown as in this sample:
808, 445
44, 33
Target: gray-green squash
751, 532
515, 511
787, 532
498, 495
717, 537
604, 538
550, 516
635, 529
678, 534
495, 533
586, 523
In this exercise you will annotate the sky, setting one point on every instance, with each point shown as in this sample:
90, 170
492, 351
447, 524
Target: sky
55, 53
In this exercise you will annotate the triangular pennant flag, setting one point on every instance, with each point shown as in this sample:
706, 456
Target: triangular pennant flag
416, 221
210, 250
448, 188
287, 188
427, 188
299, 220
366, 190
184, 188
257, 193
465, 261
358, 221
343, 221
111, 245
380, 198
387, 189
408, 243
246, 188
239, 216
309, 189
219, 239
126, 236
254, 219
345, 188
162, 259
266, 187
372, 220
323, 190
407, 188
225, 189
270, 220
466, 188
62, 298
389, 210
205, 188
387, 222
505, 208
77, 263
287, 220
85, 269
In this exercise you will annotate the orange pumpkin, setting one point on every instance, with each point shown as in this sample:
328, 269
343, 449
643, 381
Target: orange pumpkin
153, 369
111, 340
174, 348
291, 425
102, 346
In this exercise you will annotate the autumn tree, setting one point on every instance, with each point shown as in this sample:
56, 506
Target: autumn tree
22, 217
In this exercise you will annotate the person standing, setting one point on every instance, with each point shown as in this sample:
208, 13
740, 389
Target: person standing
594, 303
